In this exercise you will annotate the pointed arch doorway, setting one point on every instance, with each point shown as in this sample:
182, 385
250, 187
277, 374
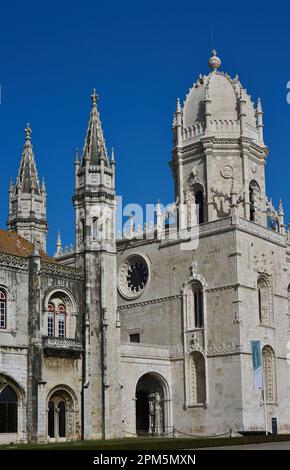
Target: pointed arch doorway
151, 405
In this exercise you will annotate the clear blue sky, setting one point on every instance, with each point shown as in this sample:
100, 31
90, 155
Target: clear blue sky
140, 55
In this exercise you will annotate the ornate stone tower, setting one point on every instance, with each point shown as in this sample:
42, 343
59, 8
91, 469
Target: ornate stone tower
94, 202
218, 148
27, 200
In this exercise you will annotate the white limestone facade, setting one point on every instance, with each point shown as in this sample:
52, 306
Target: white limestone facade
151, 333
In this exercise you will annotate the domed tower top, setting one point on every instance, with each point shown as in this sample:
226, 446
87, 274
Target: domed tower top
218, 105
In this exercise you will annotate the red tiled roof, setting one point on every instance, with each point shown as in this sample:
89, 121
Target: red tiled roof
13, 244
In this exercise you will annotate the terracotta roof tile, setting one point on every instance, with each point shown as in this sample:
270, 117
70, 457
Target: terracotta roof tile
13, 244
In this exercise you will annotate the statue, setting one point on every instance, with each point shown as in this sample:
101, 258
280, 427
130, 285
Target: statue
158, 414
151, 414
155, 414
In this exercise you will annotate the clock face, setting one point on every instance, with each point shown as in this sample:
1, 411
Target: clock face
133, 276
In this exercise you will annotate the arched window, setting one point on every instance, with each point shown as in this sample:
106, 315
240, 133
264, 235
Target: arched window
254, 196
95, 228
269, 371
195, 309
263, 301
61, 315
8, 410
198, 306
197, 378
200, 202
61, 415
3, 309
50, 320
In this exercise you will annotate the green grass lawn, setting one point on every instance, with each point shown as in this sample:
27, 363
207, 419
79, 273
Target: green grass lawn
148, 443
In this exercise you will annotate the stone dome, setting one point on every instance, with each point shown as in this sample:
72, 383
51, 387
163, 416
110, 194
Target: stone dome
223, 96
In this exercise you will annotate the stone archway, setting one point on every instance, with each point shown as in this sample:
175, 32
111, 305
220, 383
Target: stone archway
151, 413
12, 410
61, 422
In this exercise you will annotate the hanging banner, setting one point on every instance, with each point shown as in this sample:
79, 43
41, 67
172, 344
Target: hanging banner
257, 364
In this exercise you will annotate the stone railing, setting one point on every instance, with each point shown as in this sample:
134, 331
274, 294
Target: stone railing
61, 346
172, 236
13, 261
260, 231
55, 269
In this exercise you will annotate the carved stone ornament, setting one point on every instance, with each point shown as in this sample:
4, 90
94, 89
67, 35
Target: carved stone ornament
253, 168
227, 171
194, 172
194, 274
262, 265
195, 343
224, 348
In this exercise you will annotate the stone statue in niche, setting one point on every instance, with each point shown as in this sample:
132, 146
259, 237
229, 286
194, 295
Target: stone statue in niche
155, 413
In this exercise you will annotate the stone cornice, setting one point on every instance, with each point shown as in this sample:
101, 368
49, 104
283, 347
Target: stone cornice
150, 302
168, 354
220, 288
211, 141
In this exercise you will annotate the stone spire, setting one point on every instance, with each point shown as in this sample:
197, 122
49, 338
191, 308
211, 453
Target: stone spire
95, 147
260, 125
94, 176
58, 244
28, 180
280, 208
27, 199
281, 216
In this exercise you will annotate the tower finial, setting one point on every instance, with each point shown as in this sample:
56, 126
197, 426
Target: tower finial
94, 97
77, 155
113, 155
260, 125
214, 62
58, 244
280, 208
28, 132
259, 106
178, 108
43, 189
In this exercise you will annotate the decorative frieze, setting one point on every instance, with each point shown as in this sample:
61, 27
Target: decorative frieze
152, 352
224, 348
149, 352
215, 226
13, 261
53, 269
261, 231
